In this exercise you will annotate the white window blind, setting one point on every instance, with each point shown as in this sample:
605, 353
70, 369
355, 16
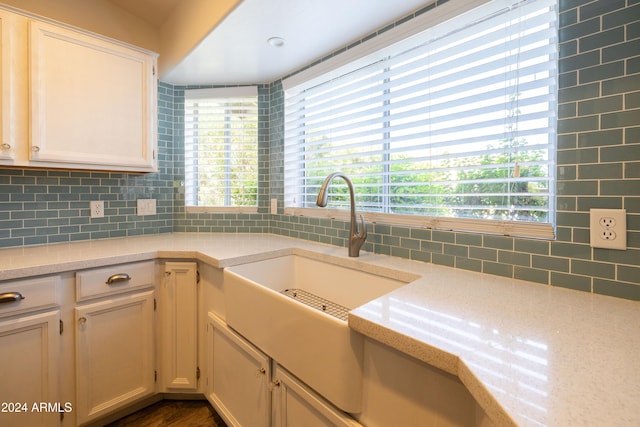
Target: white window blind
455, 131
221, 148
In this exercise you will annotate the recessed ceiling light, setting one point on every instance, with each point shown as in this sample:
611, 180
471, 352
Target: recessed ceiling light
276, 41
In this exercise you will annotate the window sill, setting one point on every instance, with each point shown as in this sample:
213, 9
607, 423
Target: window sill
221, 209
486, 226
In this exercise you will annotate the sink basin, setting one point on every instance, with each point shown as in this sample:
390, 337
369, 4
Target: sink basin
286, 306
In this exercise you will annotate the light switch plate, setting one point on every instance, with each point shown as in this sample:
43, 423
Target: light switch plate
146, 207
608, 228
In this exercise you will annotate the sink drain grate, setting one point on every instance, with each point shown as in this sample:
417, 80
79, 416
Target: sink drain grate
314, 301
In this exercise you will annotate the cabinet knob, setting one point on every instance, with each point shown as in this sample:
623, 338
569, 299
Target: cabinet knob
82, 320
275, 384
261, 371
35, 148
6, 147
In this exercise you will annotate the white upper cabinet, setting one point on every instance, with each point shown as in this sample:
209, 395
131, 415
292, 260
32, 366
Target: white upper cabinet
92, 101
7, 142
86, 102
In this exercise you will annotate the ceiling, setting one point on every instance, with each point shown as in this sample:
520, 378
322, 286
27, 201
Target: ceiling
153, 11
237, 52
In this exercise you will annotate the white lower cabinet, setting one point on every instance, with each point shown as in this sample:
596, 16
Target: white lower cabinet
238, 377
246, 392
295, 405
115, 346
178, 316
29, 348
28, 368
115, 354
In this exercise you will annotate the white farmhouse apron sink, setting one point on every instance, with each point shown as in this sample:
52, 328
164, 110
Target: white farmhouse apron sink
263, 303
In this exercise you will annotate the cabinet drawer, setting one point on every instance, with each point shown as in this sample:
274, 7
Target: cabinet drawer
114, 279
28, 295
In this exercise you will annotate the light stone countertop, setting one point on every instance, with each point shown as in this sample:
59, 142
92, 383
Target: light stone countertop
530, 354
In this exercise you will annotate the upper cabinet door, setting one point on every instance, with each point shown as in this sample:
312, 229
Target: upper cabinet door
93, 101
7, 149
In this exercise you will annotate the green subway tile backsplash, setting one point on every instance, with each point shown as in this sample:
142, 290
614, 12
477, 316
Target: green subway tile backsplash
600, 105
595, 9
603, 39
578, 62
615, 288
497, 269
531, 274
600, 138
550, 263
630, 83
622, 16
570, 281
601, 171
598, 166
579, 29
628, 187
575, 93
621, 119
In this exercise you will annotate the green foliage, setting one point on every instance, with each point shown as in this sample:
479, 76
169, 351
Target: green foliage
228, 162
495, 185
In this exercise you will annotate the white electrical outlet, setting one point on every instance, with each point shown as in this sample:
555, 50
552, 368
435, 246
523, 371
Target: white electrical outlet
97, 209
608, 228
146, 207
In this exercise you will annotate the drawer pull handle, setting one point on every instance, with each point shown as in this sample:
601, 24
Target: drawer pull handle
9, 297
117, 278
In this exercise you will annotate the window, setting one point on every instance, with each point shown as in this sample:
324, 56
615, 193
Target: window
452, 128
221, 148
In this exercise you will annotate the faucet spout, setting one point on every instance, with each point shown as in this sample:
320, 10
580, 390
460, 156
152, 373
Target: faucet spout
356, 237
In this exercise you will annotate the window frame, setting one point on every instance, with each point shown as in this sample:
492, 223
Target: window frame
222, 92
363, 55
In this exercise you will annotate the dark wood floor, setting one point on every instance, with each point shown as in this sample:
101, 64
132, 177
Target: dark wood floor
175, 413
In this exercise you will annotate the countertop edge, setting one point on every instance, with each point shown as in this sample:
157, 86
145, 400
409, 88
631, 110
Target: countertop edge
44, 269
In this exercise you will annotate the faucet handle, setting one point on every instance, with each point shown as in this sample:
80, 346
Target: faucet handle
362, 233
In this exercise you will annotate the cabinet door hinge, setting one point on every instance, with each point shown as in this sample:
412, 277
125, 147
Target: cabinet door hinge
155, 304
155, 376
154, 154
198, 276
61, 326
197, 372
